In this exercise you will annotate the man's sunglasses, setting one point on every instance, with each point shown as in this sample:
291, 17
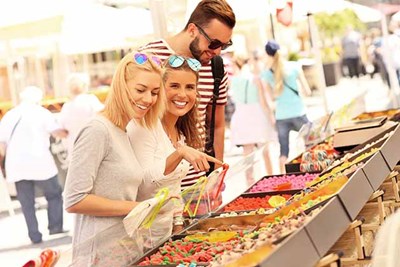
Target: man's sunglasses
214, 43
177, 61
141, 58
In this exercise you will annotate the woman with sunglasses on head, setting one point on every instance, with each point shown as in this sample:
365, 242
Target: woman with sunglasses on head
207, 32
104, 175
166, 151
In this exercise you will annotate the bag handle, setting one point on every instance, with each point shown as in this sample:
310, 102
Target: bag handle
287, 85
245, 91
217, 67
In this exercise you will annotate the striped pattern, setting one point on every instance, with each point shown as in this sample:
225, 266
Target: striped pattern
205, 90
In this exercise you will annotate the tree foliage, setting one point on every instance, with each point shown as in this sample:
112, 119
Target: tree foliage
335, 24
332, 28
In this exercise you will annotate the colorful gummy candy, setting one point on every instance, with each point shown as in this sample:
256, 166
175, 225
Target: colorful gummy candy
284, 182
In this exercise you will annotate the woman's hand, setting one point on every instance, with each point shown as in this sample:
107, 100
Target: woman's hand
199, 160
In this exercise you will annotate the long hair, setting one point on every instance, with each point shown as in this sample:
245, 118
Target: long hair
118, 106
187, 124
208, 10
279, 75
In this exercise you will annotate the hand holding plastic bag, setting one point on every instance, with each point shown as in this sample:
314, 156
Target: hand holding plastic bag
205, 195
145, 212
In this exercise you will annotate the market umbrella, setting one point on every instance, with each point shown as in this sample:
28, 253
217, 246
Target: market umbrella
95, 27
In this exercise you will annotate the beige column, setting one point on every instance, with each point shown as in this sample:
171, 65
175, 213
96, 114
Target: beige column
12, 79
315, 40
60, 72
39, 74
157, 9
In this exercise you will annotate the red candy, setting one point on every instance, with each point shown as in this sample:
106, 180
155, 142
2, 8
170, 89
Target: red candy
250, 203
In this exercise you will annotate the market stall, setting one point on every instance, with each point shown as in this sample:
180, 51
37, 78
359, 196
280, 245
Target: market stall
314, 217
309, 223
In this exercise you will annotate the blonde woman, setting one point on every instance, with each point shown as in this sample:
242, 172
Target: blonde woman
167, 151
287, 84
104, 174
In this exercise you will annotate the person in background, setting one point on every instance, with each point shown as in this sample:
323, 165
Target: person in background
80, 109
25, 135
392, 58
282, 79
207, 32
252, 112
166, 151
104, 174
351, 54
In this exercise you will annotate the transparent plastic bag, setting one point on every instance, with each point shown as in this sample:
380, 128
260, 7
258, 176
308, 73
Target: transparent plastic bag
205, 195
161, 228
194, 199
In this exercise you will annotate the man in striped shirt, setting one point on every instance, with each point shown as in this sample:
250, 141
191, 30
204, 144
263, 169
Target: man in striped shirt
207, 32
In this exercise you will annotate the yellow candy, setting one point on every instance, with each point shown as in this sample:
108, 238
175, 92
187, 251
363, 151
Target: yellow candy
276, 201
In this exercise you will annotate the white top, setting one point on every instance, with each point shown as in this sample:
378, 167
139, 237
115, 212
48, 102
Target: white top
28, 153
152, 147
77, 113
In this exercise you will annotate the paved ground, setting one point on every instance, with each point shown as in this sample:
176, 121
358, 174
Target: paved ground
15, 246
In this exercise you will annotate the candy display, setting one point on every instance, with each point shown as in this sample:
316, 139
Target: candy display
182, 251
391, 113
283, 182
226, 243
241, 213
317, 158
274, 213
250, 203
247, 253
238, 228
308, 198
345, 172
251, 247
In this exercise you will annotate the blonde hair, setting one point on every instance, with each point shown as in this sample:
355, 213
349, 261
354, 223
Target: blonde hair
279, 75
118, 106
185, 123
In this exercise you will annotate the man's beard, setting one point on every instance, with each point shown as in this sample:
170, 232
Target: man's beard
195, 50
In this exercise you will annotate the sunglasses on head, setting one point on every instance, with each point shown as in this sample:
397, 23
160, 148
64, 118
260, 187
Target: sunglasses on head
177, 61
214, 43
141, 58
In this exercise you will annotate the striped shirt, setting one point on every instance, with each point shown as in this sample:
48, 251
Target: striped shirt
205, 91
